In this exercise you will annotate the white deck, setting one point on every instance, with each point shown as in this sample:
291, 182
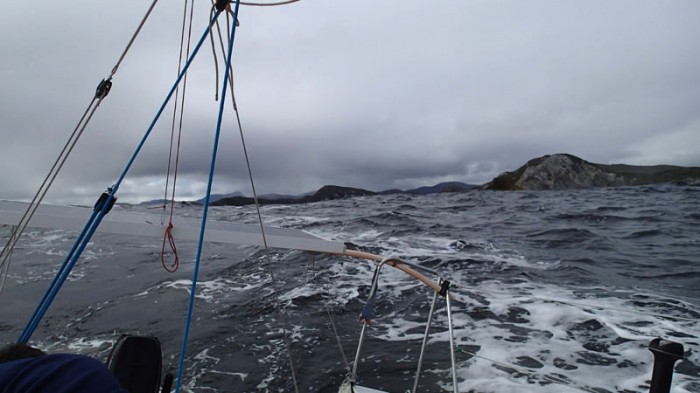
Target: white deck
143, 224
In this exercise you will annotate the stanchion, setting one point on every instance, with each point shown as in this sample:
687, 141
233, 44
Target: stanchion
666, 353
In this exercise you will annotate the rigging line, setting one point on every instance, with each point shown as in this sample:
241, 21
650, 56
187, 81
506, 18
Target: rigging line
48, 181
57, 281
50, 177
190, 307
102, 207
168, 236
5, 268
133, 38
281, 314
96, 218
165, 103
230, 81
216, 60
337, 340
175, 107
324, 296
43, 188
586, 305
182, 111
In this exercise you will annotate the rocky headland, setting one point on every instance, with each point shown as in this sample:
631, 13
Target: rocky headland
325, 193
565, 171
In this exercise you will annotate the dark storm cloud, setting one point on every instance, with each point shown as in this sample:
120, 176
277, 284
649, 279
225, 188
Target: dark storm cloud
359, 93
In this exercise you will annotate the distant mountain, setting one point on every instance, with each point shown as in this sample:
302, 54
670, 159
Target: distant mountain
565, 171
160, 202
452, 186
550, 172
213, 198
217, 197
154, 202
391, 191
325, 193
280, 196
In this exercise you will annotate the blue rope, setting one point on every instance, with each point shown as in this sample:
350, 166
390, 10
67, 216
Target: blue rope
195, 274
99, 213
51, 294
39, 311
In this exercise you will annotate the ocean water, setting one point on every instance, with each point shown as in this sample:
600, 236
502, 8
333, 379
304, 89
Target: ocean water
553, 292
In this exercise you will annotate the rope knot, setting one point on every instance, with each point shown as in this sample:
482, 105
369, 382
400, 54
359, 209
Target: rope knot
170, 240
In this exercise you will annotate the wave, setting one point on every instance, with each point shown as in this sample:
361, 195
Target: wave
557, 287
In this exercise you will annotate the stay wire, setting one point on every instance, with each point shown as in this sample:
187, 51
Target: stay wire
133, 38
340, 344
175, 107
67, 149
59, 278
49, 179
193, 290
97, 216
324, 297
216, 60
5, 268
281, 314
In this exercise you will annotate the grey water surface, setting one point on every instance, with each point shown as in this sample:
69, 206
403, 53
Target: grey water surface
555, 291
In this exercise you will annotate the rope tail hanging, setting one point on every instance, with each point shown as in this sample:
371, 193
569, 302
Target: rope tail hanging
168, 235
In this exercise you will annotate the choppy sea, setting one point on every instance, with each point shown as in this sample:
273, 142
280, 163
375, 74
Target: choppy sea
555, 291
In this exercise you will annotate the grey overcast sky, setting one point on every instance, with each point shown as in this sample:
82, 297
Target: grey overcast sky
363, 93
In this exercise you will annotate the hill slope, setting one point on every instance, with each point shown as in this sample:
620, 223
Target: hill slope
565, 171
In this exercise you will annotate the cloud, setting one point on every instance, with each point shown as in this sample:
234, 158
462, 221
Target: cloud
365, 94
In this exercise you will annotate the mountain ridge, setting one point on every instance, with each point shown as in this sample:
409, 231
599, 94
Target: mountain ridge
566, 171
332, 192
549, 172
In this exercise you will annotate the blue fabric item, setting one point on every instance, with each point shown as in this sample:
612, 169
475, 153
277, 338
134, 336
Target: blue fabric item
61, 373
